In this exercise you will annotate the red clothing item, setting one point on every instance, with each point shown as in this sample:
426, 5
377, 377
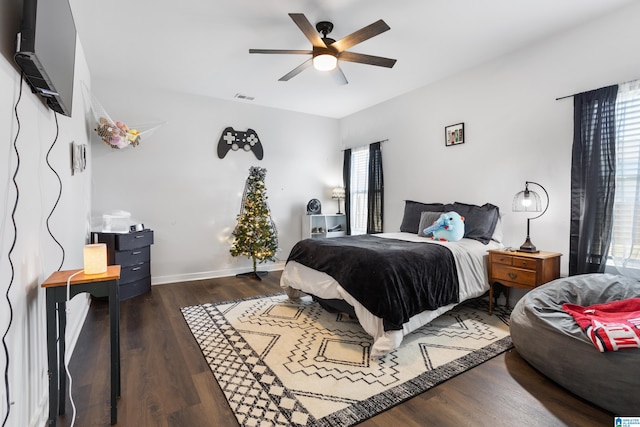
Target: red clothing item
611, 326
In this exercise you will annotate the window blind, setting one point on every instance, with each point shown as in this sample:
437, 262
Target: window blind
359, 187
625, 240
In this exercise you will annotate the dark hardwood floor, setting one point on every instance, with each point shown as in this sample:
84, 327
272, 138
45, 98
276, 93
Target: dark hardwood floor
166, 382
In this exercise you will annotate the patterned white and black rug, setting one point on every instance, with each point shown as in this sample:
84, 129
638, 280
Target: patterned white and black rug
281, 362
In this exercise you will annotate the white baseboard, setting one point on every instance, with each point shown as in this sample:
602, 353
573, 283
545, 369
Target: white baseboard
161, 280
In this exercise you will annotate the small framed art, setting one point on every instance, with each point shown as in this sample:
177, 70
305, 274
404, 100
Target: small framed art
78, 158
454, 135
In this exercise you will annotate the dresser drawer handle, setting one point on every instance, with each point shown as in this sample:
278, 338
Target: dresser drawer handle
136, 252
135, 268
512, 276
141, 236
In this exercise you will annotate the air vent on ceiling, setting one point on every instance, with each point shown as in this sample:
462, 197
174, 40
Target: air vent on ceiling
241, 96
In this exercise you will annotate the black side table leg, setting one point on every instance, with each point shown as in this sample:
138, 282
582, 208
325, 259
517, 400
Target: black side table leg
62, 369
114, 331
52, 356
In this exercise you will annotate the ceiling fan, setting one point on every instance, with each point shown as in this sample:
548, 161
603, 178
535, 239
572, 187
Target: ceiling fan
326, 52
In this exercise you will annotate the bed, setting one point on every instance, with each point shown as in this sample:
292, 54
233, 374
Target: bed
397, 282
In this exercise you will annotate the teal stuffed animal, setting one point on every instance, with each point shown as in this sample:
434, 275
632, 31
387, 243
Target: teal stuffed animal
448, 228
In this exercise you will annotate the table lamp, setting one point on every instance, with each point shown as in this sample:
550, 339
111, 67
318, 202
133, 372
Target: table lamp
95, 258
338, 193
529, 201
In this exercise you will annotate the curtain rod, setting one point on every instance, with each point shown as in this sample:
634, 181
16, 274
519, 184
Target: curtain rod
570, 96
375, 142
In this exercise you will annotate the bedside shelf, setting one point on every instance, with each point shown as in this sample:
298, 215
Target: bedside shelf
319, 226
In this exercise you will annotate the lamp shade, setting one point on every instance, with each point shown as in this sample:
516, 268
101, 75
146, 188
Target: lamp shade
325, 62
338, 193
95, 258
529, 201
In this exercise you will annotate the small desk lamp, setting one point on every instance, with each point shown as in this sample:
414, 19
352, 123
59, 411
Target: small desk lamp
529, 201
95, 258
338, 193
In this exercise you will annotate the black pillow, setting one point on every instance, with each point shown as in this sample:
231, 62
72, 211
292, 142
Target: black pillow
479, 221
412, 212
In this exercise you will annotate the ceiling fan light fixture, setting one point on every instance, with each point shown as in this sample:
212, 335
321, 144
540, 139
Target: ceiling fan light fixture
325, 62
326, 51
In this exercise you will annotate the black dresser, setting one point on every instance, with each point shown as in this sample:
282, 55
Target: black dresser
132, 251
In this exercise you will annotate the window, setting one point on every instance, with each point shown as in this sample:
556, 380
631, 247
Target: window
364, 181
359, 188
624, 251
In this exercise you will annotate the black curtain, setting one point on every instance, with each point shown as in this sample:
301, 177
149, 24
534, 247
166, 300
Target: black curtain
375, 196
346, 178
593, 171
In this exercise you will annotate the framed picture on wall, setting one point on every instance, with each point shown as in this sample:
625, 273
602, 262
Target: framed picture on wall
78, 158
454, 134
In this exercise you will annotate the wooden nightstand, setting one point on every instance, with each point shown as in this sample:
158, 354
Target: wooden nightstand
521, 270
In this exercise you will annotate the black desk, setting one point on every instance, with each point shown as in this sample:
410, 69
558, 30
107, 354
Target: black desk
98, 285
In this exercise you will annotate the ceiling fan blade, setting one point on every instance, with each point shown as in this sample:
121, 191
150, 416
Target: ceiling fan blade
306, 64
303, 23
297, 52
367, 59
361, 35
339, 76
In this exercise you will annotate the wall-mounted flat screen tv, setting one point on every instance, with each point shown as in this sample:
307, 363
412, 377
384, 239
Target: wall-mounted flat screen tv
46, 51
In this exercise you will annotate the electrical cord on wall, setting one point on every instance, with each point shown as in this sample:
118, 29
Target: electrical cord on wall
55, 205
13, 245
55, 115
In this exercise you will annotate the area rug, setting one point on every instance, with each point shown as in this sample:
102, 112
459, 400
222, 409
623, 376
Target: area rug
282, 362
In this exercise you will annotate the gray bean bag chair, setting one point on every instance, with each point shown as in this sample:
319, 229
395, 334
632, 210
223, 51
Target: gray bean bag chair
553, 343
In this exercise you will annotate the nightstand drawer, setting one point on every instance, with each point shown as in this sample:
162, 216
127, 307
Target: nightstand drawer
501, 259
528, 263
125, 241
132, 256
135, 272
132, 289
515, 275
134, 240
516, 261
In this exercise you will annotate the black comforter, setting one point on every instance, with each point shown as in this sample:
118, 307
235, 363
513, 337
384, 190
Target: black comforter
394, 279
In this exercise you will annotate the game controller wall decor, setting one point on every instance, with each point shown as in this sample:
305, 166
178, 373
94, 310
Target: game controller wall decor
232, 139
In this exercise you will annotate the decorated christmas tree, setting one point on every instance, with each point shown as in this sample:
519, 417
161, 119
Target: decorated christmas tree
255, 234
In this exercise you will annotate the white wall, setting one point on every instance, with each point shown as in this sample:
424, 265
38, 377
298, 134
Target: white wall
515, 131
176, 185
515, 128
35, 254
